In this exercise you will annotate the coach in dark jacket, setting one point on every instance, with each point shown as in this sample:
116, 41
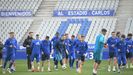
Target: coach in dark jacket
26, 44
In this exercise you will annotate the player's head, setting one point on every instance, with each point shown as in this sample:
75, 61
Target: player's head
66, 35
73, 37
37, 36
129, 35
79, 36
104, 31
63, 37
47, 37
113, 34
11, 34
82, 38
57, 34
123, 37
30, 34
118, 34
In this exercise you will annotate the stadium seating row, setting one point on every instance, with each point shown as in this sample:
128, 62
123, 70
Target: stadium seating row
20, 5
129, 26
87, 5
19, 26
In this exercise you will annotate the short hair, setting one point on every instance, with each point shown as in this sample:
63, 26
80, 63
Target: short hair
113, 32
82, 36
129, 34
47, 37
123, 36
73, 35
66, 34
37, 34
118, 33
11, 32
30, 32
104, 30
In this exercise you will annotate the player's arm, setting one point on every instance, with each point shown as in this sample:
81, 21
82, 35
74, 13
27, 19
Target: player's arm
25, 43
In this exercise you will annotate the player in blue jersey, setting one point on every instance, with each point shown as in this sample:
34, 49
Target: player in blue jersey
77, 40
112, 41
46, 51
121, 47
55, 51
82, 48
65, 54
99, 44
11, 47
129, 50
36, 53
71, 51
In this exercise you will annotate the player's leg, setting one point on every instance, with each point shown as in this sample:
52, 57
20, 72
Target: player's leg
0, 59
127, 59
115, 64
38, 57
70, 60
4, 64
81, 62
109, 61
124, 61
131, 60
96, 66
29, 62
119, 62
73, 59
32, 63
43, 59
48, 60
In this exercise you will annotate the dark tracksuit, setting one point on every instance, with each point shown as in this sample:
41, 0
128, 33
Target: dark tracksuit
1, 47
28, 50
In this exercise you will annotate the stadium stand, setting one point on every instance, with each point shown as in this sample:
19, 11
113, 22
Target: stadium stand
19, 26
89, 27
87, 5
129, 26
20, 5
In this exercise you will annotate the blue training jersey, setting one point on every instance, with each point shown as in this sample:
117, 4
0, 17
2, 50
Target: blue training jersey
121, 46
67, 43
54, 41
46, 46
112, 44
8, 43
129, 45
82, 47
72, 44
99, 44
36, 46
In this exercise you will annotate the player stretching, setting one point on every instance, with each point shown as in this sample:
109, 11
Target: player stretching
46, 50
11, 47
112, 41
36, 53
99, 44
82, 48
129, 50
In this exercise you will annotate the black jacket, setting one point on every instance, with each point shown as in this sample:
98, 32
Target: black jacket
28, 42
1, 47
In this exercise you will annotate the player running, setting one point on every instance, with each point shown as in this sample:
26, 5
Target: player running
112, 41
36, 53
99, 44
11, 47
82, 48
121, 47
129, 50
71, 51
46, 51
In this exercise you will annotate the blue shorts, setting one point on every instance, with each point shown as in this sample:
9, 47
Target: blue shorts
72, 55
45, 57
121, 58
37, 56
10, 57
80, 57
57, 56
64, 55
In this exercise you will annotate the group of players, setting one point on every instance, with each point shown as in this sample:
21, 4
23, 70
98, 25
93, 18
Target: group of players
65, 49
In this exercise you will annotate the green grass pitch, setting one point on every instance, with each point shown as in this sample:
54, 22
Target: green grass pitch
87, 70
